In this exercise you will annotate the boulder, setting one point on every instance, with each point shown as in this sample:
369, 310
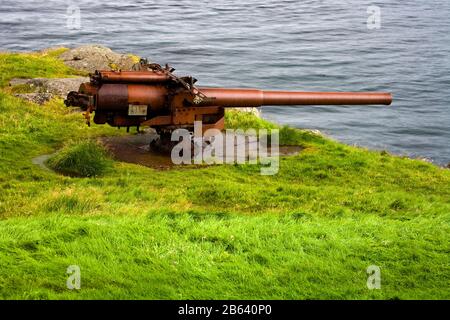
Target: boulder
96, 57
59, 87
36, 97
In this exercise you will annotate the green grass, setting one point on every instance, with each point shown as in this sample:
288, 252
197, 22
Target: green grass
84, 158
217, 232
33, 65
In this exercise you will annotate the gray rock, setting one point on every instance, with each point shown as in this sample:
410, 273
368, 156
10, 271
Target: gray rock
56, 86
96, 57
38, 97
18, 81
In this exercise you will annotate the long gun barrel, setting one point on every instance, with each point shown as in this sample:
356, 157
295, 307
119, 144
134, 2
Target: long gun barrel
258, 98
155, 97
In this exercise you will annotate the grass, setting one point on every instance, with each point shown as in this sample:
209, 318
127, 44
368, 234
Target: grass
221, 232
34, 65
84, 158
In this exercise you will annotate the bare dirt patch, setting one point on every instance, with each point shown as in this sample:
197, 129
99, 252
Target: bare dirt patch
135, 149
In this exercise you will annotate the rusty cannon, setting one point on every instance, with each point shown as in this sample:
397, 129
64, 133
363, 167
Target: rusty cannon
153, 96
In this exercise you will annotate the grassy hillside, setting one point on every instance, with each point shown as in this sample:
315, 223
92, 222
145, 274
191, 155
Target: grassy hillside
217, 232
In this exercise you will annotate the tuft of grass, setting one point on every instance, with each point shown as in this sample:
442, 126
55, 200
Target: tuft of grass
235, 119
85, 158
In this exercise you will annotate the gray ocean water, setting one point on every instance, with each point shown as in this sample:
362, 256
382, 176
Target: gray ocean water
296, 45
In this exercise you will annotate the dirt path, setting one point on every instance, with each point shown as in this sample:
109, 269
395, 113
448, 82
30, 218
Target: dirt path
40, 161
135, 149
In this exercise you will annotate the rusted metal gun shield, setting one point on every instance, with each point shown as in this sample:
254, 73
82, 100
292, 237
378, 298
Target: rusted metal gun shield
88, 88
154, 96
118, 97
100, 118
124, 121
132, 76
112, 97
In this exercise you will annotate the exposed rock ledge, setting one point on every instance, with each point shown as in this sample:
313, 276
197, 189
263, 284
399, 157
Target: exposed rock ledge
43, 89
95, 57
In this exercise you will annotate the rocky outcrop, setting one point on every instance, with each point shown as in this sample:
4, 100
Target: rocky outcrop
55, 86
41, 90
95, 57
37, 97
86, 58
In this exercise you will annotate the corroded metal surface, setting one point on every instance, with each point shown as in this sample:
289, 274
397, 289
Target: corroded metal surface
153, 96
